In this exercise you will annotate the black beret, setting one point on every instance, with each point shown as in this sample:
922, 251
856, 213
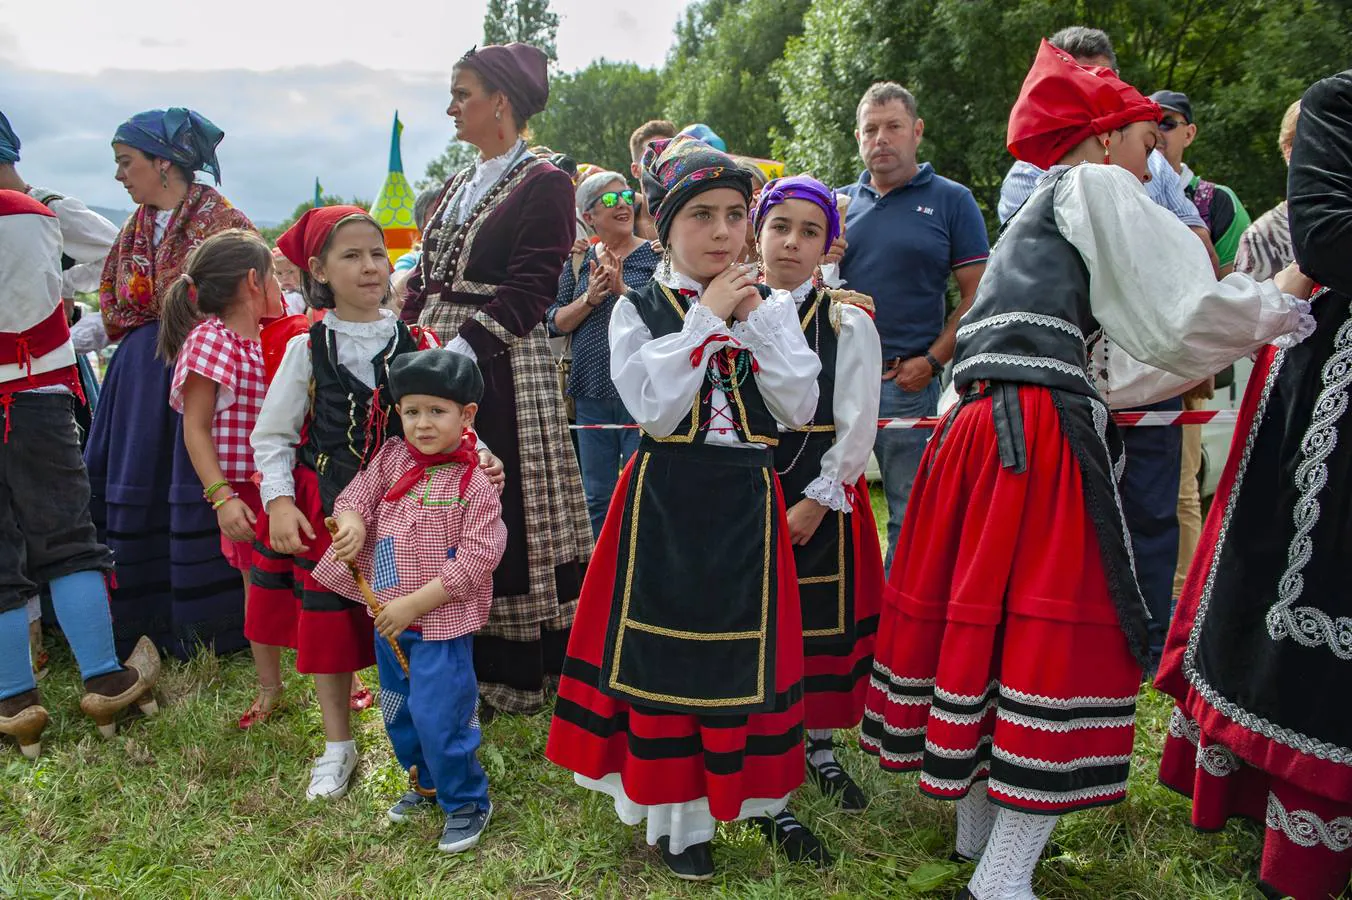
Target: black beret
437, 373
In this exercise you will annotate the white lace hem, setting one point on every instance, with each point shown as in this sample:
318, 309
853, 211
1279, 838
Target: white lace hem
685, 824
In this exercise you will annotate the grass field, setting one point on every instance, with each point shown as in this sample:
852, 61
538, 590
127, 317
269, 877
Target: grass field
186, 805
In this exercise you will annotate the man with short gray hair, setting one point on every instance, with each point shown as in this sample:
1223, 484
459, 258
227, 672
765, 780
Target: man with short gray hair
909, 229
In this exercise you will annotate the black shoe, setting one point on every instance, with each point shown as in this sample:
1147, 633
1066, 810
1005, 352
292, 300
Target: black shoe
833, 781
486, 712
794, 839
695, 863
961, 860
964, 894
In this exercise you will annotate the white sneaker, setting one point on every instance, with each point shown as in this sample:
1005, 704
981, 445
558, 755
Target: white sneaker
331, 775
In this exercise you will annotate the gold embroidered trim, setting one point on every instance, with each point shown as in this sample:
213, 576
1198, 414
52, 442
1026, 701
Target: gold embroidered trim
761, 636
838, 579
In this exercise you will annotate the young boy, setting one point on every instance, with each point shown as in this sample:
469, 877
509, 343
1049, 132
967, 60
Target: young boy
46, 534
435, 533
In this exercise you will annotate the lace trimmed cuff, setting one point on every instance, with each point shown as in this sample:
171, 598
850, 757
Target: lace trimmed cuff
828, 493
766, 324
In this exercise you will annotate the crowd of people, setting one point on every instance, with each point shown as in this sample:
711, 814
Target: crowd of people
370, 462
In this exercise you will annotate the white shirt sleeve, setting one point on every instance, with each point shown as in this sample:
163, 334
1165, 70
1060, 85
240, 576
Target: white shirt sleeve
277, 431
787, 368
86, 238
854, 400
88, 335
459, 345
1151, 285
654, 376
1131, 383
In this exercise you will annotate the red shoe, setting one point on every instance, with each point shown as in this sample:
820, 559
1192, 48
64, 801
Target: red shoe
362, 699
263, 707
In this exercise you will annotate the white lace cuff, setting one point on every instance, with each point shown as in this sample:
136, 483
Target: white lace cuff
1304, 324
765, 326
701, 322
828, 493
272, 488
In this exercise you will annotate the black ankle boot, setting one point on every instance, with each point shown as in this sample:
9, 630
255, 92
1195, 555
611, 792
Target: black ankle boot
694, 863
793, 839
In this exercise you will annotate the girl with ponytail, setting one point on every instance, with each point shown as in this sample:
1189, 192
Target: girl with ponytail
209, 331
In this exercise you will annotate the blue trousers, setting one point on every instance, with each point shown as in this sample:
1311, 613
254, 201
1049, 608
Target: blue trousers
899, 451
431, 716
1150, 500
602, 453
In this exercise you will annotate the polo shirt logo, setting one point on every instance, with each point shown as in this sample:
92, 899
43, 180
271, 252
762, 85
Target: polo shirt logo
927, 210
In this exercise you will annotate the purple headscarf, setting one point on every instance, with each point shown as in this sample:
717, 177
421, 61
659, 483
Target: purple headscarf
798, 187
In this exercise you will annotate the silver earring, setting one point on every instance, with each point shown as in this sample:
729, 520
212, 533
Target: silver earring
164, 178
666, 264
497, 114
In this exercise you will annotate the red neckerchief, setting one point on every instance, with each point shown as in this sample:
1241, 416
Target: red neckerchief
466, 453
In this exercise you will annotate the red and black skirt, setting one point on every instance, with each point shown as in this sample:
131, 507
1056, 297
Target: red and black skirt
1000, 654
684, 669
286, 607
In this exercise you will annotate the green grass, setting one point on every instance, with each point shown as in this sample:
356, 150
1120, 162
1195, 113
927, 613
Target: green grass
186, 805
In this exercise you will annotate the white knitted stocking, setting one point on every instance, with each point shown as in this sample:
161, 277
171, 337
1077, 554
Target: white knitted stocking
1006, 868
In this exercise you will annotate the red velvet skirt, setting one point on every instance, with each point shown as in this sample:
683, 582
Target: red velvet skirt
670, 757
240, 553
835, 676
999, 654
286, 607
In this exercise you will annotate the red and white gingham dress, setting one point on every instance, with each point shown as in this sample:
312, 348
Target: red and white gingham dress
216, 353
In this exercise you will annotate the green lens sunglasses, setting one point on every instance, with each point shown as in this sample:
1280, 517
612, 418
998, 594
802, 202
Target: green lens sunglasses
610, 198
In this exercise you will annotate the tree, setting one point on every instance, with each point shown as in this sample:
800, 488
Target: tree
716, 70
455, 157
1240, 62
271, 234
528, 21
592, 112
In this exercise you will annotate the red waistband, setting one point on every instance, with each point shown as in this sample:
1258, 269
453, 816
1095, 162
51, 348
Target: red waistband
35, 342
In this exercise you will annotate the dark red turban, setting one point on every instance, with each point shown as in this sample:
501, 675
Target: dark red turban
518, 70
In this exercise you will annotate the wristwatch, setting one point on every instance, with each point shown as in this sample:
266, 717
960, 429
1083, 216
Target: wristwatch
936, 367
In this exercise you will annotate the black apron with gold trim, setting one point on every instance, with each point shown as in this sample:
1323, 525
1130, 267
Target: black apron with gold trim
693, 618
826, 562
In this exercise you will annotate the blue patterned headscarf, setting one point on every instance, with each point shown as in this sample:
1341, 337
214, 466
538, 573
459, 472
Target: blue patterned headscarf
9, 142
179, 135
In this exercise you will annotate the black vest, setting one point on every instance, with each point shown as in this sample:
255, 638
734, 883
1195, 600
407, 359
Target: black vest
1000, 339
798, 458
663, 311
344, 432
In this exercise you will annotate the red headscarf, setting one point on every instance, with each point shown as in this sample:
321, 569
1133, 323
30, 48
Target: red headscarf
1062, 103
306, 238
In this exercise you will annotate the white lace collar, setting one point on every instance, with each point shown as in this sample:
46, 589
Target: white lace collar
491, 169
800, 293
678, 281
382, 327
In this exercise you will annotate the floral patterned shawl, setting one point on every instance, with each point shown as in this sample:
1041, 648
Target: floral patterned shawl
138, 274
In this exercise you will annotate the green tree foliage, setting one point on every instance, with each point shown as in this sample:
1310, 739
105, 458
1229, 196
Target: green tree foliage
455, 157
528, 21
717, 71
1240, 62
271, 234
592, 112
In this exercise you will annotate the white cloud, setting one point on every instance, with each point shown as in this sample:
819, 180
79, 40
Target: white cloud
273, 76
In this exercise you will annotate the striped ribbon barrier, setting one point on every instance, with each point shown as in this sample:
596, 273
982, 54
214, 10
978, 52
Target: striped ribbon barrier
1123, 419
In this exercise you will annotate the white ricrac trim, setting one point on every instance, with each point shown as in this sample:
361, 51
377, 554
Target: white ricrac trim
974, 718
1070, 765
1305, 829
1022, 318
898, 699
1067, 702
1089, 793
899, 681
964, 753
890, 728
967, 699
1011, 359
1063, 727
949, 785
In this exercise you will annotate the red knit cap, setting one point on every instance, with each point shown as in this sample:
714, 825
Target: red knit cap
1062, 103
305, 239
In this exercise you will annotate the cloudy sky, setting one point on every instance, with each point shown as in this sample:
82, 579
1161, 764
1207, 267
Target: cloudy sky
302, 88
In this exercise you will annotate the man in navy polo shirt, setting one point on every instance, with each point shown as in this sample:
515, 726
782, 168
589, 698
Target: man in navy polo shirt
908, 230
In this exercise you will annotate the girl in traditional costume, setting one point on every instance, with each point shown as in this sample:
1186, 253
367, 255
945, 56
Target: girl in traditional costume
1011, 642
1260, 653
821, 467
492, 254
681, 697
173, 583
326, 414
210, 332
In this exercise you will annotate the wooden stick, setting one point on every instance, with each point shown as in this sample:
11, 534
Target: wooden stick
368, 596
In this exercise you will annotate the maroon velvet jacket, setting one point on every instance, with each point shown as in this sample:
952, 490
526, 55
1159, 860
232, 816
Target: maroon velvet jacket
520, 245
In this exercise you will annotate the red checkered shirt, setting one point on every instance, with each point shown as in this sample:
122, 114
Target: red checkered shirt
217, 354
430, 533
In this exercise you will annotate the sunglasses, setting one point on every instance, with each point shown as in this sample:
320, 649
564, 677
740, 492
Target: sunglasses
611, 198
1169, 124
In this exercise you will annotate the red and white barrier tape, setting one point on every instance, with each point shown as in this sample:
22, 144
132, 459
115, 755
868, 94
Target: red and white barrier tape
1123, 419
